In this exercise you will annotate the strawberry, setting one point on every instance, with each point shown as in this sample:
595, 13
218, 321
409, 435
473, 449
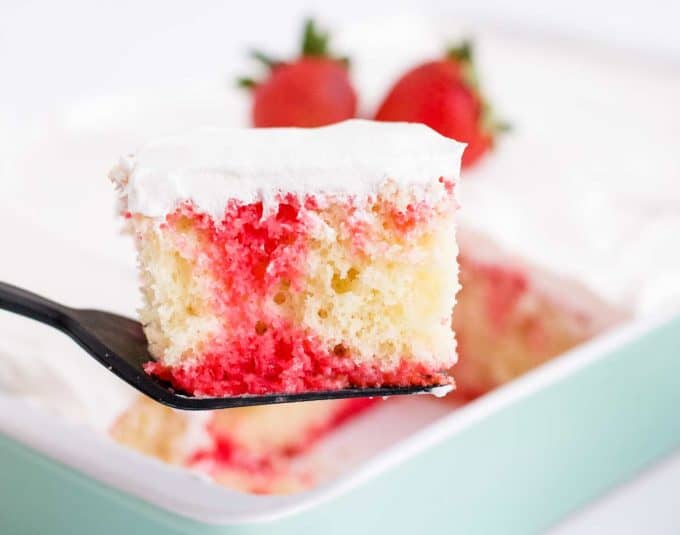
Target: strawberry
445, 95
313, 90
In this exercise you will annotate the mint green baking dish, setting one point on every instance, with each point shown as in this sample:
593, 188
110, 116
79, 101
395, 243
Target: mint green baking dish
515, 461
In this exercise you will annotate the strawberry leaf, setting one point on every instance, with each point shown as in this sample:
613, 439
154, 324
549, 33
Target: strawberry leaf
463, 54
314, 42
246, 83
268, 61
265, 59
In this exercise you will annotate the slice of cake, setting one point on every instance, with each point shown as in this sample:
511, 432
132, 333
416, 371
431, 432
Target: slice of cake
293, 260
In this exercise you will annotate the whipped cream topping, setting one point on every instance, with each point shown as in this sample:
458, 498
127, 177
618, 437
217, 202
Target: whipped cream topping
212, 165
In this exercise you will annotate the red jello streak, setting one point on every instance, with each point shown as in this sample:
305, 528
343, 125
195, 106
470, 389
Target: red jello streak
449, 185
225, 452
506, 286
250, 256
409, 219
283, 360
350, 409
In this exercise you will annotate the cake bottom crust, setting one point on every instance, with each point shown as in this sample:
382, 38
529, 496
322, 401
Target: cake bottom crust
279, 361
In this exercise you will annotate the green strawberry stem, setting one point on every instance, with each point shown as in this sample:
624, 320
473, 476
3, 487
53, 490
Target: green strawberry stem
246, 83
314, 42
265, 59
463, 54
490, 123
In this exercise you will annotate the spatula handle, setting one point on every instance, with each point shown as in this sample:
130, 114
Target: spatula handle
25, 303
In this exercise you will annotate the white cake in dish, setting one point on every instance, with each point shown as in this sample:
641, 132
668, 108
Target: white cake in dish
252, 449
559, 244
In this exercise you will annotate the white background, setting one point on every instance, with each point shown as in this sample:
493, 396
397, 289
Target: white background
56, 52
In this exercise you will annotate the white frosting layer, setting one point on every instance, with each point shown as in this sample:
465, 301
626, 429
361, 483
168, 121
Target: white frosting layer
211, 166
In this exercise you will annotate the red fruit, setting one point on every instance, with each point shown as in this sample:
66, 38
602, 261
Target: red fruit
445, 96
313, 90
310, 92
